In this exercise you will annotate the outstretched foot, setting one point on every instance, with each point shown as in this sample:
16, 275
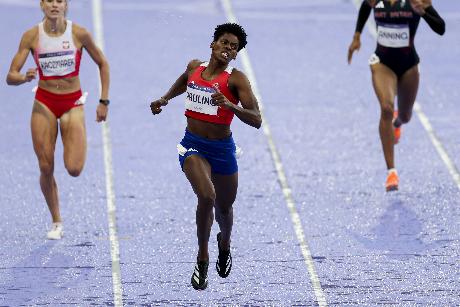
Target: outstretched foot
224, 261
56, 232
392, 180
200, 275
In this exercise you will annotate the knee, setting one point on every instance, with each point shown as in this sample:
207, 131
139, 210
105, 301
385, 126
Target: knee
206, 199
224, 212
74, 170
46, 167
387, 112
405, 117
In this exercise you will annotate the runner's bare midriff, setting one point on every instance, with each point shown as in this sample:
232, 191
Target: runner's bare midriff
60, 86
208, 130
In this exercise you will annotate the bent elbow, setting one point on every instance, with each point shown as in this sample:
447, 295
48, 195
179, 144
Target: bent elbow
9, 80
258, 123
104, 65
443, 29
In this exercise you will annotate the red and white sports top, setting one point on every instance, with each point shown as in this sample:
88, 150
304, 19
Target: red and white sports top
57, 57
198, 102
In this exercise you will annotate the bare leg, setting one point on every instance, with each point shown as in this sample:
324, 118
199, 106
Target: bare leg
385, 83
226, 187
44, 134
73, 134
407, 92
198, 172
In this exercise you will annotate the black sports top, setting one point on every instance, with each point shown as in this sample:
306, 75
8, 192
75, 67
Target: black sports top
397, 23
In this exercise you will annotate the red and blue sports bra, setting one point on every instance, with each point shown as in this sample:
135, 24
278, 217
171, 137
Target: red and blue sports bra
198, 102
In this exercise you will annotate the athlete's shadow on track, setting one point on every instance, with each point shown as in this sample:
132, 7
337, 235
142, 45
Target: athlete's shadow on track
40, 277
399, 231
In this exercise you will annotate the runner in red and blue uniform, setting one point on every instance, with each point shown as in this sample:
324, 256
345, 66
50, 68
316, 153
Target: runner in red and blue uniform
207, 151
394, 65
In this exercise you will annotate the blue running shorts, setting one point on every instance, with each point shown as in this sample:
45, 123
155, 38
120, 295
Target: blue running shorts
219, 153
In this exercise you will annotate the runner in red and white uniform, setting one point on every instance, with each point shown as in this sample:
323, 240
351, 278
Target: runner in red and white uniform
207, 151
56, 44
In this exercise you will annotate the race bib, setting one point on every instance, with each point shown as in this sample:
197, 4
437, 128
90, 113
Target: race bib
57, 63
198, 99
393, 36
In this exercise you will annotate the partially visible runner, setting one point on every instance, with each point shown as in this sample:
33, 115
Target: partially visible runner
57, 45
207, 151
394, 65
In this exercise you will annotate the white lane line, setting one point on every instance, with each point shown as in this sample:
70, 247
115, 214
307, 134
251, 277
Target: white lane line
438, 145
111, 208
295, 217
451, 167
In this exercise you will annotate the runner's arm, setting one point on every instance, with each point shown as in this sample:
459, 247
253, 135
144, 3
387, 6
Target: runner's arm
363, 14
435, 21
14, 76
98, 57
249, 112
179, 87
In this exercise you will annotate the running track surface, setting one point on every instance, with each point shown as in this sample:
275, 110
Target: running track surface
369, 247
